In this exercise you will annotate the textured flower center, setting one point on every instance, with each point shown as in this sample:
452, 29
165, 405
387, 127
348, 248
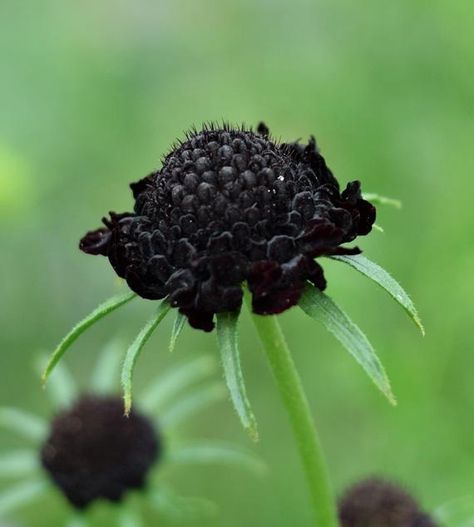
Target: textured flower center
229, 206
95, 452
377, 503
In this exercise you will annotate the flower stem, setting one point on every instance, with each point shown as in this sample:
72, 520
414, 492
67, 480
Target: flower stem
294, 398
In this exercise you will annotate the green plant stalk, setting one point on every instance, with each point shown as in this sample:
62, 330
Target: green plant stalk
294, 399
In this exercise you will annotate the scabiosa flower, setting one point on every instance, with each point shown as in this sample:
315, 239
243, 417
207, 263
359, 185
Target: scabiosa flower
91, 452
231, 206
234, 214
379, 503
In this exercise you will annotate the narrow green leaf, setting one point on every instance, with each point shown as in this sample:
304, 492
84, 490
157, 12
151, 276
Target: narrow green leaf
228, 344
20, 495
99, 312
376, 199
193, 402
384, 280
134, 350
458, 512
18, 463
178, 508
175, 381
323, 309
127, 517
178, 326
211, 452
107, 368
78, 520
25, 424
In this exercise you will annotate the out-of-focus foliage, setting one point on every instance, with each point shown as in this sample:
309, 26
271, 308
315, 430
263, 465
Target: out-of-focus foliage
93, 93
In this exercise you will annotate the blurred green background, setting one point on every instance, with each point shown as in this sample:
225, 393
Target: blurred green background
91, 96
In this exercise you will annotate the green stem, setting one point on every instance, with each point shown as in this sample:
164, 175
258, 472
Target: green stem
296, 404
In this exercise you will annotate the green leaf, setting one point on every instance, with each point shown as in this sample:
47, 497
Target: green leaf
20, 495
384, 280
200, 398
99, 312
180, 509
322, 308
178, 379
78, 520
228, 344
376, 199
127, 517
215, 452
135, 349
178, 325
18, 463
458, 512
27, 425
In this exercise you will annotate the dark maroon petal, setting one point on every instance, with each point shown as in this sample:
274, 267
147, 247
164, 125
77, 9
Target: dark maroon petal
367, 216
319, 237
181, 288
277, 300
199, 319
316, 275
140, 186
352, 193
341, 251
363, 213
96, 242
275, 287
263, 275
149, 289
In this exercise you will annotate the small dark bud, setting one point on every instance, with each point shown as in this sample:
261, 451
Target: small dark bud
231, 206
94, 452
377, 503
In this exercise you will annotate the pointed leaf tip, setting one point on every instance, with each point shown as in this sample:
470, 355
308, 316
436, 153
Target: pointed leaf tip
228, 343
322, 308
134, 351
127, 406
381, 277
98, 313
177, 328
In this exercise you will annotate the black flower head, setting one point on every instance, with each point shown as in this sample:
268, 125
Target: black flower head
94, 452
377, 503
229, 206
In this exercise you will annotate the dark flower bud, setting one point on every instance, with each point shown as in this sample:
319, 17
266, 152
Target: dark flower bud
377, 503
230, 206
94, 452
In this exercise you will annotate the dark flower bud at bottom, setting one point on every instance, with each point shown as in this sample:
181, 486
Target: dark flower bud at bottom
94, 452
377, 503
229, 206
